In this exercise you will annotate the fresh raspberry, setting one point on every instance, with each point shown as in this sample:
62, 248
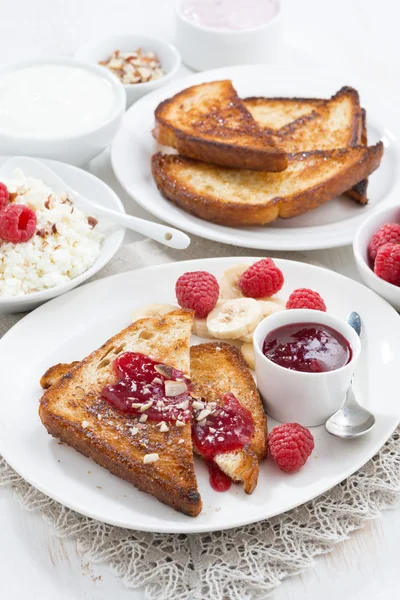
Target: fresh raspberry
17, 223
4, 196
197, 290
388, 234
387, 263
290, 445
261, 279
305, 298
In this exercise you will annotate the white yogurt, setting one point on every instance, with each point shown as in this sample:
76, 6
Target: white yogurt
51, 101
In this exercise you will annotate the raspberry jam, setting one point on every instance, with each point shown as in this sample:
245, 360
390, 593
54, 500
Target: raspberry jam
307, 347
146, 386
229, 427
218, 480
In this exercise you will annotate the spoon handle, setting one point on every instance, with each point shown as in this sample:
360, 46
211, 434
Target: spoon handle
173, 238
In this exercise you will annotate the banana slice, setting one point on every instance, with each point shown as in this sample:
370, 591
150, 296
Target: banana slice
152, 310
268, 307
228, 288
248, 353
200, 328
273, 299
234, 318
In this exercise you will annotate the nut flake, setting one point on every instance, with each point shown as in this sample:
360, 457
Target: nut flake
175, 388
163, 427
85, 424
179, 423
143, 419
197, 405
150, 458
203, 414
144, 407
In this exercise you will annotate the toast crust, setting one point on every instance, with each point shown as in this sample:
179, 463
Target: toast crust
73, 411
182, 181
209, 122
218, 368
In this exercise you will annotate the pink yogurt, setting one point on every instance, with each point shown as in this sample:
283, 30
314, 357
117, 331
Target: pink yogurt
230, 14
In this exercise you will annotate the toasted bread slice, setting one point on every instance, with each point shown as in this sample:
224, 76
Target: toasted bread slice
307, 124
73, 411
274, 113
210, 123
242, 197
218, 368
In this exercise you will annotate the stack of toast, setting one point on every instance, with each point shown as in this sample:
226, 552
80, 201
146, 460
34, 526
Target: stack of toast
250, 161
157, 460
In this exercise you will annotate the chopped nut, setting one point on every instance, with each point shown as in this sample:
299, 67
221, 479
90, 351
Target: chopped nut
202, 423
150, 458
179, 423
164, 370
99, 417
85, 424
175, 388
181, 441
157, 380
92, 222
203, 414
146, 406
134, 430
136, 404
198, 405
163, 426
134, 67
143, 419
212, 430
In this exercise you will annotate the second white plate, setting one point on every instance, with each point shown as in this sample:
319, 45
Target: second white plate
331, 225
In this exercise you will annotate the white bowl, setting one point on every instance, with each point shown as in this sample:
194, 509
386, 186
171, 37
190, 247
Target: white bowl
100, 49
76, 149
298, 397
388, 291
205, 48
90, 187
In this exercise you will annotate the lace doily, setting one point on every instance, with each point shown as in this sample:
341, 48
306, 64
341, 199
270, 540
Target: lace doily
239, 564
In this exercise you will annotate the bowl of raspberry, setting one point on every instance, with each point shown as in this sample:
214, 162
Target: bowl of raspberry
377, 253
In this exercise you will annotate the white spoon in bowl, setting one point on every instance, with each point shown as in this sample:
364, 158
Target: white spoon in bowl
35, 168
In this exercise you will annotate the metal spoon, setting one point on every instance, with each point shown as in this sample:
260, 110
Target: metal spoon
35, 168
351, 420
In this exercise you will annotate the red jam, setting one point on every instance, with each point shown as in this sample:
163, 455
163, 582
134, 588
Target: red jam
307, 347
218, 480
229, 427
142, 380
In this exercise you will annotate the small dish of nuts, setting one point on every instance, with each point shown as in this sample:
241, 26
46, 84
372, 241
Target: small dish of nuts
134, 67
141, 63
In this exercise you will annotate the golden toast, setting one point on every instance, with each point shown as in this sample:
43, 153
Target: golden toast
219, 368
243, 197
209, 122
73, 411
306, 124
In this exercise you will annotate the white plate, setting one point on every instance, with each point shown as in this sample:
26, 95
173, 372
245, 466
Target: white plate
73, 325
91, 187
333, 224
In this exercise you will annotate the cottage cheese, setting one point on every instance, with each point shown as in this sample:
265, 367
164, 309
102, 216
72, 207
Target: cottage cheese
64, 245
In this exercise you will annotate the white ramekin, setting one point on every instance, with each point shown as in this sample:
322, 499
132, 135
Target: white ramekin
204, 48
388, 291
293, 396
76, 149
100, 49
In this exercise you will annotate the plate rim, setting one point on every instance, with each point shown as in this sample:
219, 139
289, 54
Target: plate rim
196, 226
183, 526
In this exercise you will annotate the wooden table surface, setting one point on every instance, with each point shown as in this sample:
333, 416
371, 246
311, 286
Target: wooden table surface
357, 38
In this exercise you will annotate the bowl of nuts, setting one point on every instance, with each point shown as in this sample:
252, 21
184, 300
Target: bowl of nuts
142, 63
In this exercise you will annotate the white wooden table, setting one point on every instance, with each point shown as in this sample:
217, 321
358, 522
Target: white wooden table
359, 39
